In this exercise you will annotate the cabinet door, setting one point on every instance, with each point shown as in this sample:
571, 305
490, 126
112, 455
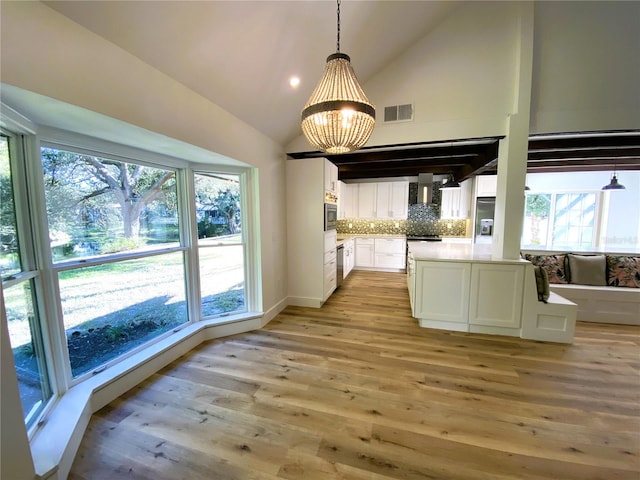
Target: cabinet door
350, 197
364, 252
496, 295
367, 200
464, 201
399, 200
486, 185
446, 207
342, 193
330, 177
442, 291
383, 200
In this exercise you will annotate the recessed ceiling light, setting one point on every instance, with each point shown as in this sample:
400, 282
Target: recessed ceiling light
294, 81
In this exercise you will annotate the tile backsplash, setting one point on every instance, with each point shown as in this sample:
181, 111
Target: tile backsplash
419, 225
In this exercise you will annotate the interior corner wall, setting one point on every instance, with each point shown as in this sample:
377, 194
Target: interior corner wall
44, 52
586, 66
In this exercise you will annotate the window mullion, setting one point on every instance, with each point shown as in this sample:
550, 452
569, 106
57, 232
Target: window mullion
46, 288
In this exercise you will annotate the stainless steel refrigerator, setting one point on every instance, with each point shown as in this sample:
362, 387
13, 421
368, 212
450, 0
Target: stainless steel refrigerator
485, 211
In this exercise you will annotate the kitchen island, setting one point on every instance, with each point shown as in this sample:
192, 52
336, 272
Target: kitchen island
462, 287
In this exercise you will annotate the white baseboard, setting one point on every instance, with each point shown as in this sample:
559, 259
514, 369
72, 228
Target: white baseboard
305, 302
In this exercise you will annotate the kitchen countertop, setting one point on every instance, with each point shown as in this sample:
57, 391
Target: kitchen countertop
457, 252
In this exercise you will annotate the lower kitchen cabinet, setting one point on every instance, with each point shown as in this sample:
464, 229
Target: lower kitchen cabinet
364, 252
349, 257
381, 253
330, 264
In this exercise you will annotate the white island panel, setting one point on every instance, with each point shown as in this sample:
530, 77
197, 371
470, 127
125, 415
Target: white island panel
496, 298
442, 294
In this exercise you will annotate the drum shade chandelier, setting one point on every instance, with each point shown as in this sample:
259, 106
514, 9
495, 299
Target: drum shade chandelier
338, 117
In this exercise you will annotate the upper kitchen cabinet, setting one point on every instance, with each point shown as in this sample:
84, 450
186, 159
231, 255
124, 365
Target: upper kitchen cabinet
392, 200
347, 200
456, 202
330, 178
387, 200
486, 185
367, 200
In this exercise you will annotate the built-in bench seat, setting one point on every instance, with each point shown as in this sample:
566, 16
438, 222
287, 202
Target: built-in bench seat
550, 321
615, 301
602, 304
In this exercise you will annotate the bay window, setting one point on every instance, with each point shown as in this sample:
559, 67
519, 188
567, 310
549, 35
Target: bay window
123, 254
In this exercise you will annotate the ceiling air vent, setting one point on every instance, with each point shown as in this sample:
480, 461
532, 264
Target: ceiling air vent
398, 113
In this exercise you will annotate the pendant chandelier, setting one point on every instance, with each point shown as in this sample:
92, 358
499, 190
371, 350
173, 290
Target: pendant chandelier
338, 118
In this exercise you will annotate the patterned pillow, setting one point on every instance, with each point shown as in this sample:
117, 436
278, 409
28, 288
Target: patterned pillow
552, 264
623, 271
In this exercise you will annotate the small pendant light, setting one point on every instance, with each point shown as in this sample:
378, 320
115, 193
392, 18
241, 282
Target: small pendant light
451, 182
613, 184
338, 118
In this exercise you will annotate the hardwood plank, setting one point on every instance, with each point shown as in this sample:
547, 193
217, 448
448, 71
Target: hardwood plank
357, 390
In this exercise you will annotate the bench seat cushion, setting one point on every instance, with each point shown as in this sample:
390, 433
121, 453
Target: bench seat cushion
623, 271
552, 264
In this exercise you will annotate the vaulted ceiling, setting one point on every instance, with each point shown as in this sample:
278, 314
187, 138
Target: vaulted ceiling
241, 54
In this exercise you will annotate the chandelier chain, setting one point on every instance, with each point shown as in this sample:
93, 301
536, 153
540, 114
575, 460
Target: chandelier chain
338, 42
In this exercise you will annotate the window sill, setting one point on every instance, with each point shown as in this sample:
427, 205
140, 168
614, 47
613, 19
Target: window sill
54, 445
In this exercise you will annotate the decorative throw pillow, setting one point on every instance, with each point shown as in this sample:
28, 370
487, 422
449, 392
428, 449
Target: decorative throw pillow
623, 271
587, 269
542, 284
552, 264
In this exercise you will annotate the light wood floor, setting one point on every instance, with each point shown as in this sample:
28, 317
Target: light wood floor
356, 390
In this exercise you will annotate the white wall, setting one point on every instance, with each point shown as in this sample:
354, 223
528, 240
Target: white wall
586, 66
44, 52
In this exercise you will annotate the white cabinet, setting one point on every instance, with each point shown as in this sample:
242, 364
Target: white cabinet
364, 252
349, 257
385, 200
411, 281
381, 253
347, 200
486, 185
330, 263
456, 202
367, 200
389, 253
330, 178
392, 200
496, 295
310, 250
442, 294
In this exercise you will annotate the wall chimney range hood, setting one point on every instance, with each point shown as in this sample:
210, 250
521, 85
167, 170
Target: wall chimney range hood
425, 188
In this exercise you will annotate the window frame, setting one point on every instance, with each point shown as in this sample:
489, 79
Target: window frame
48, 293
242, 180
598, 218
31, 267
